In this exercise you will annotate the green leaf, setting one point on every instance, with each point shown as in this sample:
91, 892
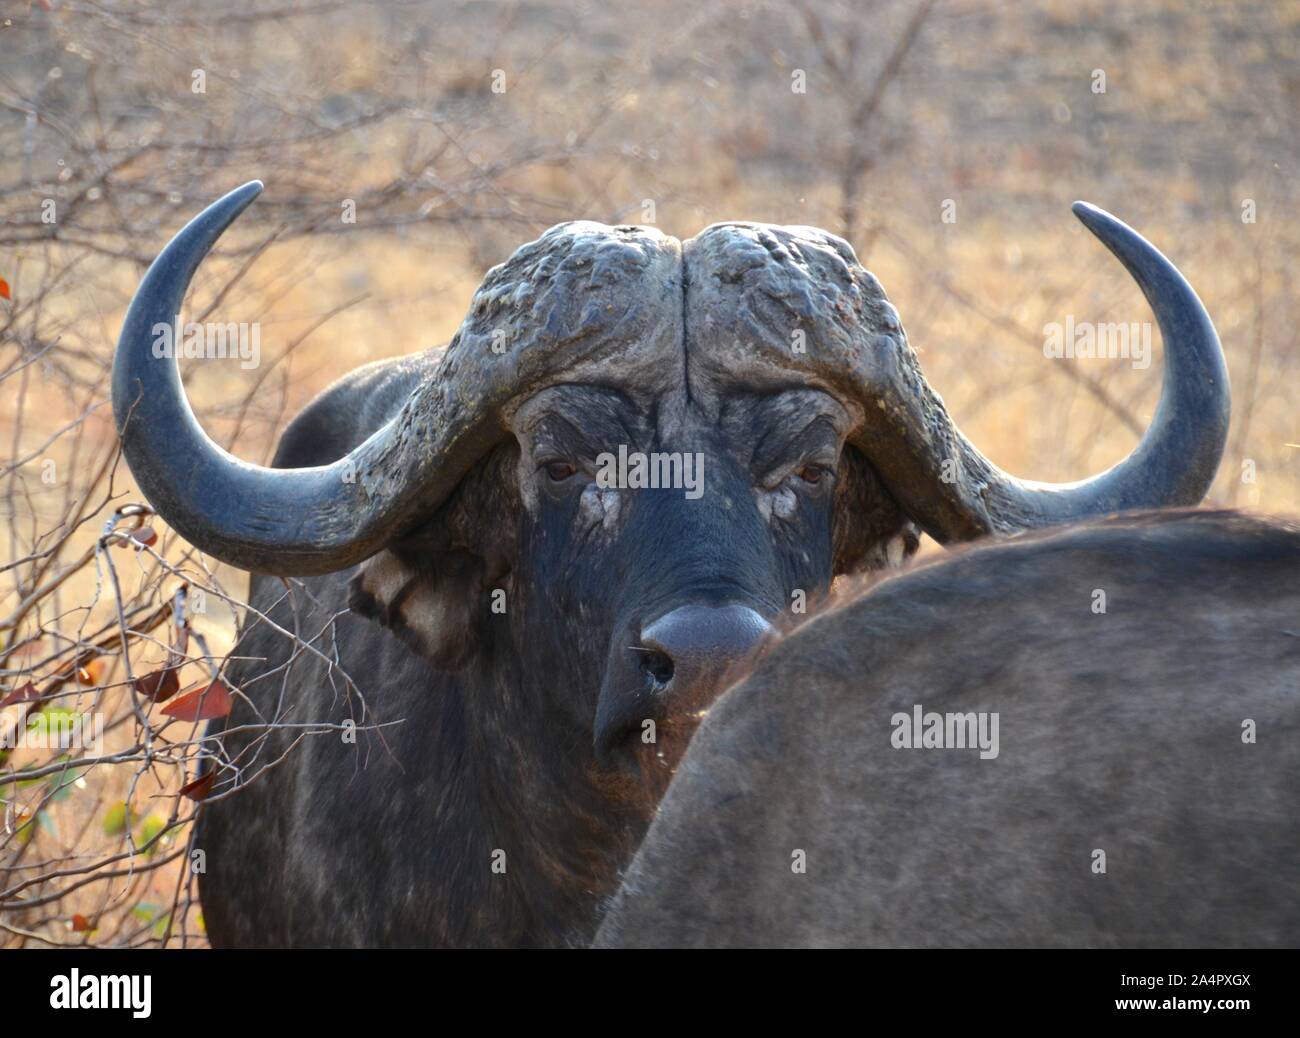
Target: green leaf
25, 831
150, 828
56, 718
146, 911
156, 915
62, 784
115, 819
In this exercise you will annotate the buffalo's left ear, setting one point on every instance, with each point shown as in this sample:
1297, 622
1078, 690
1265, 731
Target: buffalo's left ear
433, 588
871, 531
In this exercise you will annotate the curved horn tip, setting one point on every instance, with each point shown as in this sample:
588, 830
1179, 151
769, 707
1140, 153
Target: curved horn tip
239, 198
202, 232
229, 206
1093, 216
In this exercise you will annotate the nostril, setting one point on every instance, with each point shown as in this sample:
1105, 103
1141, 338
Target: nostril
669, 670
658, 666
693, 645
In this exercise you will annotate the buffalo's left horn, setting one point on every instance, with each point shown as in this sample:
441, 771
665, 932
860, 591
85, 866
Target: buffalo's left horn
956, 493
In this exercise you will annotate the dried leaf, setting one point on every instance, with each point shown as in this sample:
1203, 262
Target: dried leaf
202, 704
159, 686
145, 535
22, 694
80, 924
201, 787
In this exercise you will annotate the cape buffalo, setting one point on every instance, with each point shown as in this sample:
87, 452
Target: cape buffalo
1108, 754
493, 549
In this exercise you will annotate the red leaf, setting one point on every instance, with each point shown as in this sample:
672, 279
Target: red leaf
22, 694
80, 924
202, 704
201, 787
4, 289
159, 686
146, 536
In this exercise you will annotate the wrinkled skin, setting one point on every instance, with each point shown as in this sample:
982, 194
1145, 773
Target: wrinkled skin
390, 841
1119, 731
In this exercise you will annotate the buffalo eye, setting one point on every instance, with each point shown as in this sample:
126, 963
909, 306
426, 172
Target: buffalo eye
559, 471
812, 474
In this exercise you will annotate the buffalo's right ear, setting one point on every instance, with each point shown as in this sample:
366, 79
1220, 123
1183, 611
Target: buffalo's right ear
433, 588
431, 603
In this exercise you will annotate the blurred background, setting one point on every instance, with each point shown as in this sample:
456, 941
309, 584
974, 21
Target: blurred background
409, 146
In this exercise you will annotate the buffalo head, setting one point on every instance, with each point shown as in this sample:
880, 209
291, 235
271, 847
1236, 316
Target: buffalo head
634, 453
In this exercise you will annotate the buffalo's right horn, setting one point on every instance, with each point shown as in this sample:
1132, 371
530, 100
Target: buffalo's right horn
550, 312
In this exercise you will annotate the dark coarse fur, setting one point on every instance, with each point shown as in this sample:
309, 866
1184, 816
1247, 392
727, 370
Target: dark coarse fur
391, 840
1120, 731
